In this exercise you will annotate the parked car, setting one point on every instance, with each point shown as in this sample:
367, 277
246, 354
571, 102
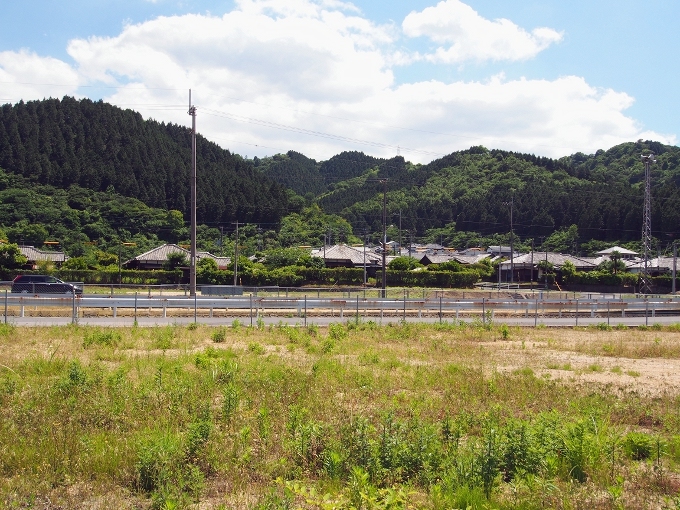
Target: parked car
42, 284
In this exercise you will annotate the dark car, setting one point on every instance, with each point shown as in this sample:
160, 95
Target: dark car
42, 284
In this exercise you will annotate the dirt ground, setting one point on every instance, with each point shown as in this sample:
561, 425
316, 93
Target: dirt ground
646, 363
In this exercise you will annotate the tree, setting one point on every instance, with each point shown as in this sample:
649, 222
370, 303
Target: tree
562, 241
11, 257
614, 264
404, 264
175, 261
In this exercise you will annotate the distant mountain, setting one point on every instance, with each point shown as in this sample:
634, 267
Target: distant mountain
474, 189
304, 175
100, 147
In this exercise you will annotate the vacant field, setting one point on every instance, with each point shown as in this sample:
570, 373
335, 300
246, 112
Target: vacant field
350, 416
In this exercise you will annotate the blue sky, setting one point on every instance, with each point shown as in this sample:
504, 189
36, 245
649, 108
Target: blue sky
423, 78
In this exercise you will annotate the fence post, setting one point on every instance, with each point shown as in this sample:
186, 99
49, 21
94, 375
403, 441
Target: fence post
251, 309
195, 305
357, 307
404, 305
646, 312
577, 312
607, 313
536, 314
483, 311
440, 309
73, 308
135, 307
5, 306
306, 309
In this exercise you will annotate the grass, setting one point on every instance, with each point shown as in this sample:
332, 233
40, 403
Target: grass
351, 416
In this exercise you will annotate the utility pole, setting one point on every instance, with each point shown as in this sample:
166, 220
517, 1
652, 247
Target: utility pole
512, 249
384, 239
646, 281
531, 278
236, 256
675, 260
192, 262
399, 233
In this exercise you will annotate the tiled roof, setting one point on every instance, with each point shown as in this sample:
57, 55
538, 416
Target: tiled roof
556, 259
36, 255
160, 254
656, 264
344, 253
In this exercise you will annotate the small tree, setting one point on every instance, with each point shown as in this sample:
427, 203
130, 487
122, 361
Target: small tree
404, 264
11, 257
175, 260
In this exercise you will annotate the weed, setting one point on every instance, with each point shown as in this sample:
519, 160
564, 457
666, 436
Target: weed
603, 326
231, 401
633, 373
163, 337
327, 345
236, 324
621, 327
337, 331
260, 323
505, 331
256, 348
656, 327
197, 436
219, 335
108, 338
192, 326
616, 370
594, 367
638, 446
7, 329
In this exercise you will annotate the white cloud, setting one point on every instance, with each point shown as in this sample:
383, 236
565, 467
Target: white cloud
271, 76
469, 36
26, 75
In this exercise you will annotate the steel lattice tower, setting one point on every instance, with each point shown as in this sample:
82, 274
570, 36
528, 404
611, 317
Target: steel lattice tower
646, 280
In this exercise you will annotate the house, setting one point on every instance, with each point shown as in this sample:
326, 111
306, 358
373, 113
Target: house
655, 267
34, 256
157, 257
500, 251
624, 253
341, 255
525, 266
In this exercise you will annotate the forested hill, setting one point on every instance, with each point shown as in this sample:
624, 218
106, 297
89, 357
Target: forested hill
473, 190
304, 175
101, 147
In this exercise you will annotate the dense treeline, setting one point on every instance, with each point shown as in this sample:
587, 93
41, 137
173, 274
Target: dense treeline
101, 147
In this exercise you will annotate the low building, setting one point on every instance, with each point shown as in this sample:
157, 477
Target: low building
34, 256
341, 255
525, 267
157, 257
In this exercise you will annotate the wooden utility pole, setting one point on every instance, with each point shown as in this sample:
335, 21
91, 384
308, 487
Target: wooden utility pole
192, 262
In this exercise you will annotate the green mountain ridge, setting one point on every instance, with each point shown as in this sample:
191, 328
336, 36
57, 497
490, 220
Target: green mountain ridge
87, 154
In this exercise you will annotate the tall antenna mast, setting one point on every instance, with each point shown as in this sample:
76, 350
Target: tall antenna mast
646, 280
192, 262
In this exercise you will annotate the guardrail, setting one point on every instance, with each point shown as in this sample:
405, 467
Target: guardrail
435, 308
